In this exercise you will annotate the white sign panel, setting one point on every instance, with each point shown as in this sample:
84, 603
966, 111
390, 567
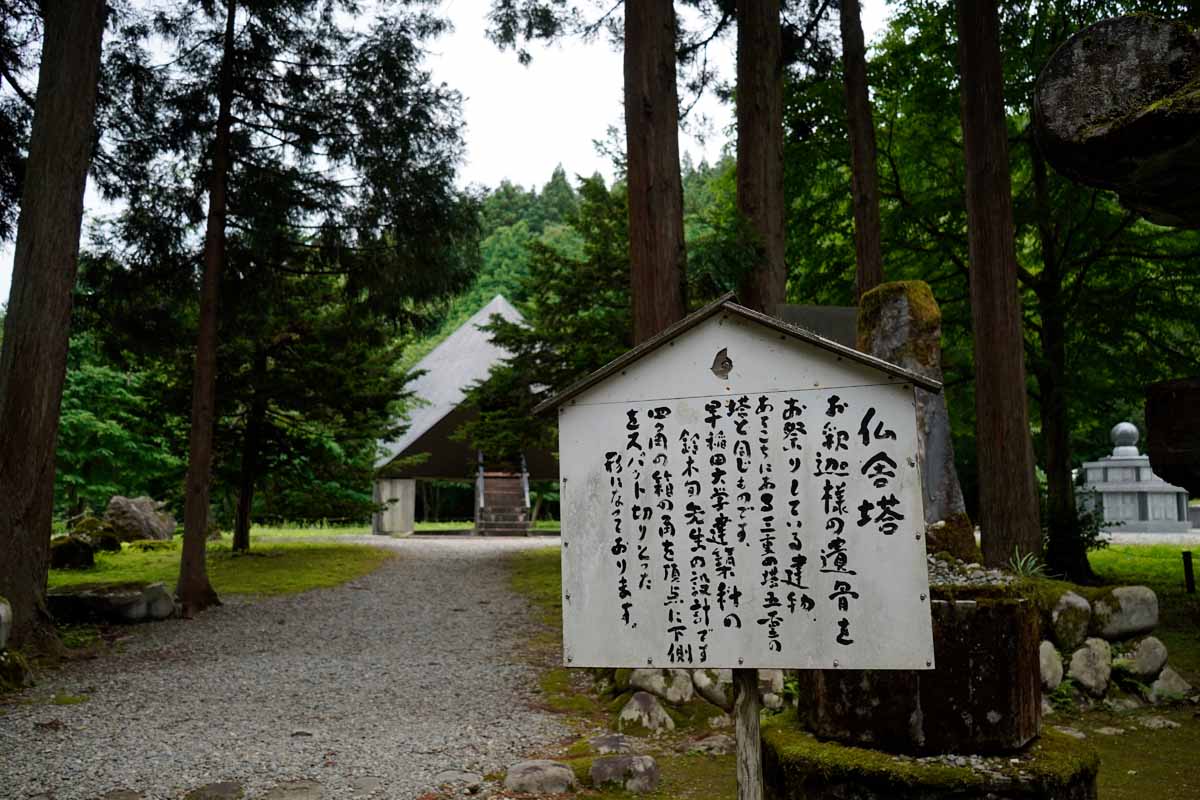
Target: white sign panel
775, 528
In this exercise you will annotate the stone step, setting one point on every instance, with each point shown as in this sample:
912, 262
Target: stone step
515, 515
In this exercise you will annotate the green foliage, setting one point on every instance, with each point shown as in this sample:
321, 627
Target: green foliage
112, 438
1026, 565
1080, 255
577, 319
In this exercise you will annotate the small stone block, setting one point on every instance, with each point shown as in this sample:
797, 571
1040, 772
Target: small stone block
294, 790
539, 777
637, 774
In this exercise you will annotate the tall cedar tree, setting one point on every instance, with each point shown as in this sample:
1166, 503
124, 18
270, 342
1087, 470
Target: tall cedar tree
760, 149
868, 250
657, 258
323, 150
194, 590
33, 358
1008, 502
20, 35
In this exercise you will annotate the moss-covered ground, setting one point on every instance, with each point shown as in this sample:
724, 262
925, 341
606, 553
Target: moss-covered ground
271, 568
572, 692
1137, 764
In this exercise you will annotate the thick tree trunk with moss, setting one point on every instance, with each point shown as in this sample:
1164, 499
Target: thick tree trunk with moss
868, 251
760, 150
1008, 503
657, 259
1118, 107
194, 590
37, 325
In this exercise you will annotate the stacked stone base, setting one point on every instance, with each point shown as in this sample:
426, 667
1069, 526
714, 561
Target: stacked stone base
798, 766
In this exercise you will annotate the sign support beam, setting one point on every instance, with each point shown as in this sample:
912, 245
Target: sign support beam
746, 707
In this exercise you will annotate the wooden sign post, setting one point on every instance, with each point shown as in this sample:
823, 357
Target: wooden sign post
738, 493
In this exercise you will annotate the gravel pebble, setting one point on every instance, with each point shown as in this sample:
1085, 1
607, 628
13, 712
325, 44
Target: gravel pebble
393, 686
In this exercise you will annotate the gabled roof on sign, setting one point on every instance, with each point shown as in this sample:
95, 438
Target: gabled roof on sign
463, 358
728, 304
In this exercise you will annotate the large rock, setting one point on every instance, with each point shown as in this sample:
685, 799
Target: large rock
1051, 666
6, 619
1169, 686
1148, 659
715, 686
1116, 107
71, 552
539, 777
1124, 612
1091, 666
672, 685
138, 518
1070, 619
644, 714
900, 322
636, 774
160, 604
225, 790
983, 696
120, 604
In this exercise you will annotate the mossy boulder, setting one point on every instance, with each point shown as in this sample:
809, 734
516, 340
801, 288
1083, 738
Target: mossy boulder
6, 621
1070, 619
954, 536
1124, 612
71, 552
798, 766
15, 673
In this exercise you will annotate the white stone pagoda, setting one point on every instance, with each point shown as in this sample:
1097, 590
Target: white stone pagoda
1130, 493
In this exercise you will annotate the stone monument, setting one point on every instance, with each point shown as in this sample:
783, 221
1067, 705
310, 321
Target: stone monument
1130, 493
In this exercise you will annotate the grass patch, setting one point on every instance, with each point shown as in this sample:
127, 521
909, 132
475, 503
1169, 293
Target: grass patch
269, 569
1160, 566
68, 699
304, 531
537, 576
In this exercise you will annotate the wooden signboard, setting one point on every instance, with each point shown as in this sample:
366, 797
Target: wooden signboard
739, 493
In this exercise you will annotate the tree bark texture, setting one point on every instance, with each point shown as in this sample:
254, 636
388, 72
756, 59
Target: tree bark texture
1118, 107
746, 708
1008, 504
1066, 553
868, 251
657, 259
194, 590
760, 150
256, 417
37, 325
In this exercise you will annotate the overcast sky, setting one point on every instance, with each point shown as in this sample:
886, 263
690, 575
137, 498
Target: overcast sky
521, 122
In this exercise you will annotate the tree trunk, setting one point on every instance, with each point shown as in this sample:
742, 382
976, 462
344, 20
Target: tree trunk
251, 445
1008, 506
37, 325
864, 179
1065, 552
657, 259
194, 590
760, 150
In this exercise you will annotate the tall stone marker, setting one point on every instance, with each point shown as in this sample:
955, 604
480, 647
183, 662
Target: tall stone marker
738, 493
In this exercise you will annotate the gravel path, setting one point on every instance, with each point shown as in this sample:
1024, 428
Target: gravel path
393, 677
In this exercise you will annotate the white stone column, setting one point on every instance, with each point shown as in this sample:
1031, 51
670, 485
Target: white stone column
399, 497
